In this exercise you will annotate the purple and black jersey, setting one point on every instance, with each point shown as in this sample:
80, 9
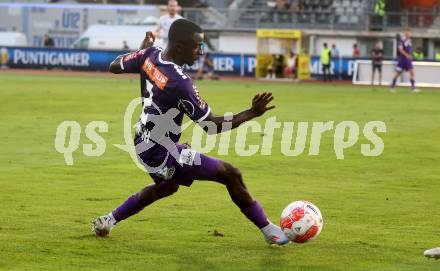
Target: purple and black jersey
406, 45
164, 86
403, 63
167, 94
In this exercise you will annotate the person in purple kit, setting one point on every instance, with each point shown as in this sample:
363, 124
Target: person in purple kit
167, 94
404, 61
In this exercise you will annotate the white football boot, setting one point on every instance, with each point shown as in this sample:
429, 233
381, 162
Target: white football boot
433, 253
274, 235
102, 225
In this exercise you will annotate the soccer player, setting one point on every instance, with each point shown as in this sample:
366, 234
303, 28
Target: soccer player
165, 21
404, 61
376, 58
168, 93
432, 253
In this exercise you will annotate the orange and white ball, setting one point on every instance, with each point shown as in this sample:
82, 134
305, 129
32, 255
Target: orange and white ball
301, 221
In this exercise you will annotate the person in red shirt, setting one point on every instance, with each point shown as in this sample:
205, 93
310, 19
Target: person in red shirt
356, 52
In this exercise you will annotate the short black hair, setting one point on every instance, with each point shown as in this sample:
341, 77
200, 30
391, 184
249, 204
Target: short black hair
183, 30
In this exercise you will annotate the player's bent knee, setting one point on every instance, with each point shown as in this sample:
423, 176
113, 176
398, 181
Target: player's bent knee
231, 175
235, 174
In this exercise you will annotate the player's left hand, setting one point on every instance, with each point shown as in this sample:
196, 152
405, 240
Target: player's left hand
260, 102
148, 40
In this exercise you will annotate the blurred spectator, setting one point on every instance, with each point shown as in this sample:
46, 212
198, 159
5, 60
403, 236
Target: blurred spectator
378, 15
125, 46
48, 41
271, 4
335, 51
278, 4
376, 59
326, 56
282, 4
280, 11
206, 68
271, 69
379, 8
276, 67
4, 57
165, 21
335, 55
290, 69
300, 9
301, 6
418, 54
356, 51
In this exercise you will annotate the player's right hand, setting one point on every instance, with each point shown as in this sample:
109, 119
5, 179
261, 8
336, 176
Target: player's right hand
148, 40
260, 102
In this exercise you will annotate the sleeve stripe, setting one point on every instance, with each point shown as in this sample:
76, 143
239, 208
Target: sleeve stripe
122, 63
204, 116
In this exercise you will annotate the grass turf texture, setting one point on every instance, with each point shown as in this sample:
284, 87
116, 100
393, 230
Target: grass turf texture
380, 212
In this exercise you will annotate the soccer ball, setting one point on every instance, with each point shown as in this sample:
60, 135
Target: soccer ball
301, 221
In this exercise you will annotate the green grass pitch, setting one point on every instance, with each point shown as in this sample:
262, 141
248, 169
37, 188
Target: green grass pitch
380, 213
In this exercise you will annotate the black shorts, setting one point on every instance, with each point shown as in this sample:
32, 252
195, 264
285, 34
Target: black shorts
377, 67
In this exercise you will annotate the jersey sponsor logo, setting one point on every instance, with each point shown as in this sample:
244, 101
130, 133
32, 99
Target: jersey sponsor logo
166, 172
187, 157
133, 55
129, 57
159, 79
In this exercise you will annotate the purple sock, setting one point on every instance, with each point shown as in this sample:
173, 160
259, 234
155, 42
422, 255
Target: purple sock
413, 84
393, 84
130, 207
255, 213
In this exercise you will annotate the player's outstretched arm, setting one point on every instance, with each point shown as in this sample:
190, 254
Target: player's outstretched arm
260, 104
115, 66
147, 42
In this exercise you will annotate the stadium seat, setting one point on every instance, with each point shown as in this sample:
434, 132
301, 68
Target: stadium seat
356, 4
343, 19
354, 19
325, 2
339, 10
